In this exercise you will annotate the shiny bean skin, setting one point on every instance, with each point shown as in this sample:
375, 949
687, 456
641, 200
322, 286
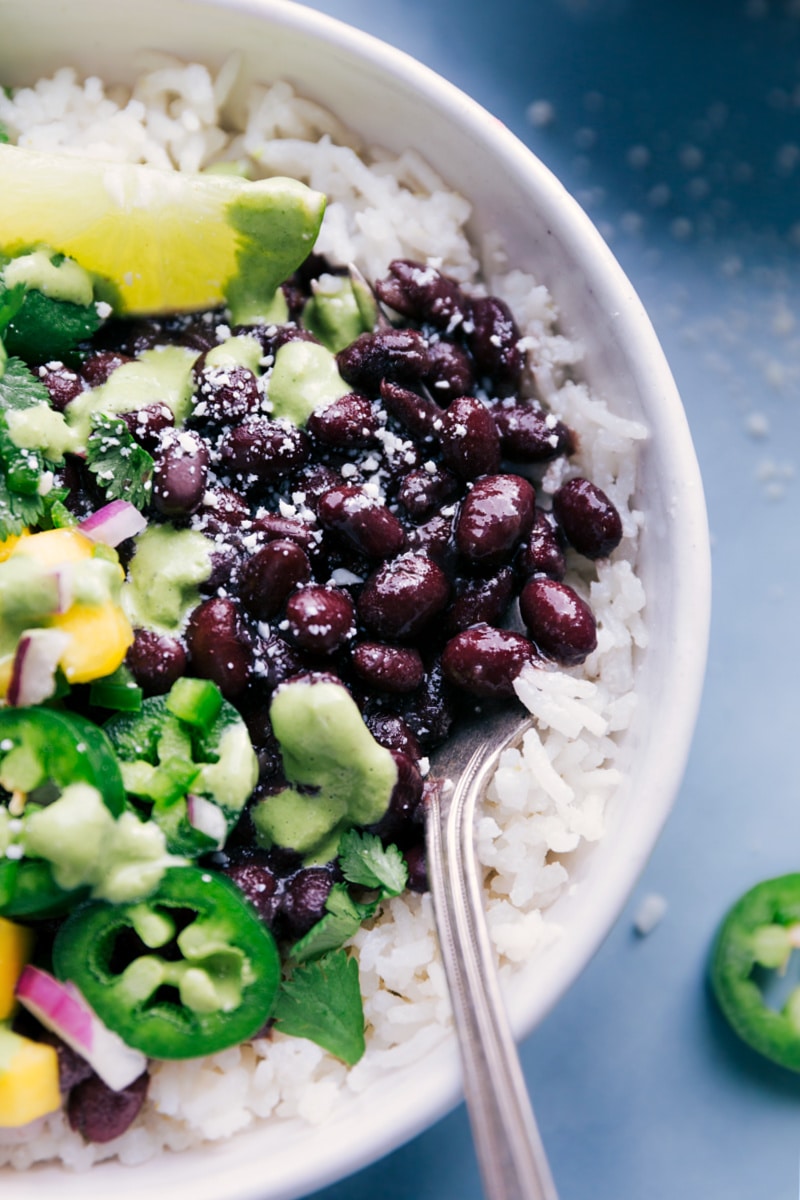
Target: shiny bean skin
63, 385
560, 623
392, 732
495, 516
403, 596
590, 521
416, 865
255, 878
528, 434
493, 338
97, 367
470, 443
180, 474
542, 553
101, 1113
225, 396
222, 511
480, 600
270, 575
430, 712
484, 661
423, 293
304, 898
399, 354
261, 450
434, 539
321, 619
417, 414
449, 372
218, 649
424, 491
388, 668
363, 520
346, 422
156, 661
147, 424
402, 817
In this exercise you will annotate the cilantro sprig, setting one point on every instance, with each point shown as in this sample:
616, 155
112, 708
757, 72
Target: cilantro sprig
22, 471
121, 466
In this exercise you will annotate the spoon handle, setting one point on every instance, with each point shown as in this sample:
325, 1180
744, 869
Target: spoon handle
510, 1154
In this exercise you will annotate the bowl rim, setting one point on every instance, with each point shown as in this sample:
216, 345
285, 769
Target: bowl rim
682, 690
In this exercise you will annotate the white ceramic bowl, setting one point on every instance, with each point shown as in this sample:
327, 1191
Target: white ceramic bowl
394, 101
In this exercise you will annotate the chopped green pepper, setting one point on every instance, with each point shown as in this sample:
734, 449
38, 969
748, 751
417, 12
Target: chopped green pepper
759, 933
212, 985
42, 752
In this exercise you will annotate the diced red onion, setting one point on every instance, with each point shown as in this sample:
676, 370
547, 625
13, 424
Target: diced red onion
113, 523
34, 668
61, 1008
207, 817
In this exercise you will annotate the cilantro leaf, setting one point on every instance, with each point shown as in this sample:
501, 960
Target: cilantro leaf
45, 328
321, 1001
121, 466
10, 303
19, 387
341, 921
16, 510
365, 861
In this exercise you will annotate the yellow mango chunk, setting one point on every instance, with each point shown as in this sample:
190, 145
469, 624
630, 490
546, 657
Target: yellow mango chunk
99, 640
16, 943
28, 1082
55, 546
9, 544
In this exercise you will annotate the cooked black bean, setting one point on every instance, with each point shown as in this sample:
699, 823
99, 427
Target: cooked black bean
485, 661
495, 516
222, 510
321, 619
260, 450
541, 553
480, 600
449, 372
62, 384
418, 415
403, 596
416, 864
218, 648
100, 1113
430, 712
469, 439
180, 473
398, 354
402, 818
98, 366
304, 897
424, 491
434, 539
363, 520
270, 575
558, 620
224, 396
529, 434
156, 661
392, 731
423, 293
388, 668
346, 422
255, 877
278, 661
146, 425
493, 338
590, 521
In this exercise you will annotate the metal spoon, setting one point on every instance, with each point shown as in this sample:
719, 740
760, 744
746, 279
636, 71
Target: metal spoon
510, 1153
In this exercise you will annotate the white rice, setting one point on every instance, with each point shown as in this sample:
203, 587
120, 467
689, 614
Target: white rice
548, 797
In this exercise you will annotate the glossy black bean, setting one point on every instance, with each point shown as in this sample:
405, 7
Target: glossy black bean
449, 371
304, 898
101, 1113
255, 877
398, 354
401, 820
98, 366
400, 599
484, 661
423, 293
434, 539
430, 712
63, 384
495, 516
493, 338
147, 424
388, 668
558, 620
218, 647
529, 434
321, 619
225, 396
590, 521
480, 601
418, 415
223, 510
541, 553
270, 575
416, 865
363, 520
426, 490
469, 440
180, 474
347, 422
156, 660
262, 451
392, 731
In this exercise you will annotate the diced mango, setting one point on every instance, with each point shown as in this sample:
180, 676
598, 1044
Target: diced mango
9, 544
55, 546
16, 943
28, 1080
99, 640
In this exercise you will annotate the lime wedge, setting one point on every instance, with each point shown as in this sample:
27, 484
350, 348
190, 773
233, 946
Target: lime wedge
158, 241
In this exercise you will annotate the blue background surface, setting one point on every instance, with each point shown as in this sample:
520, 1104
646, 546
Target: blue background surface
676, 124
